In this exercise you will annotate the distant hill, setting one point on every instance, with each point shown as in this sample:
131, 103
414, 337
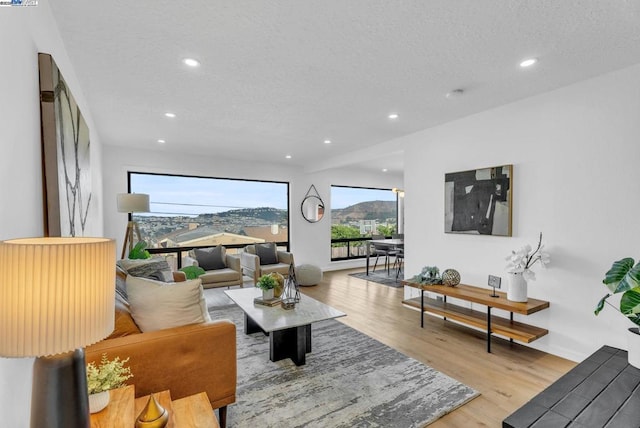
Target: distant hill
370, 210
272, 215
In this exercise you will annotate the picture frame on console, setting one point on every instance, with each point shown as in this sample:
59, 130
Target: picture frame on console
479, 201
66, 162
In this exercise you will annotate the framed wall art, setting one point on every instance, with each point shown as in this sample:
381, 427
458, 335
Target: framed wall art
479, 201
65, 155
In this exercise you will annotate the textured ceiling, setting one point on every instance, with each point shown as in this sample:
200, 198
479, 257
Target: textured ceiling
280, 77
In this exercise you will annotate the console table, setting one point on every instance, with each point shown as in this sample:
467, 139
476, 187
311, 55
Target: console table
490, 323
601, 391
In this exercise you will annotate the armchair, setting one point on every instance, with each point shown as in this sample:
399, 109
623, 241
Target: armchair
221, 269
261, 259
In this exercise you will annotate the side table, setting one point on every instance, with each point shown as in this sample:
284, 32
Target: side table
189, 412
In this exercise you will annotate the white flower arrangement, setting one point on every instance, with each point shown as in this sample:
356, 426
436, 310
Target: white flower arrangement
525, 258
108, 375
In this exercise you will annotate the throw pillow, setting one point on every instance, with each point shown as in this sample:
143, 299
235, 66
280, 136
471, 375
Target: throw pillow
156, 305
154, 268
211, 258
268, 253
121, 282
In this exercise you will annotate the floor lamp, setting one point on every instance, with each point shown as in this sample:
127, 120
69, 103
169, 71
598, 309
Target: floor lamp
56, 296
132, 203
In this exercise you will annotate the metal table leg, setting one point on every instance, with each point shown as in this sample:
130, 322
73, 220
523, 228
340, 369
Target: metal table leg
511, 318
489, 329
421, 308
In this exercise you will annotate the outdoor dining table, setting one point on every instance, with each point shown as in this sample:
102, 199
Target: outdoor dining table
389, 243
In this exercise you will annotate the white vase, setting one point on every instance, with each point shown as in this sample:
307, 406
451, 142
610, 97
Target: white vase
633, 346
267, 294
517, 289
98, 401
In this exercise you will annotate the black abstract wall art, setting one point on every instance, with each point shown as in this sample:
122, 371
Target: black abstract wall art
479, 201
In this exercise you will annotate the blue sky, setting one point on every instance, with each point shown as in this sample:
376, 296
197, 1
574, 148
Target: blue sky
193, 195
207, 195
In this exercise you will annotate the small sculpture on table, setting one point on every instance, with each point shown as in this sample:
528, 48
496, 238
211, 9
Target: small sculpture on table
153, 415
291, 294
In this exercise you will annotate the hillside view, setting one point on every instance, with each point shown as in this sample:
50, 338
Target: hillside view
354, 221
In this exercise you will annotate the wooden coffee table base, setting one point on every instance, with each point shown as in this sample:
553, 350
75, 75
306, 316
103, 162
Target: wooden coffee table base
294, 342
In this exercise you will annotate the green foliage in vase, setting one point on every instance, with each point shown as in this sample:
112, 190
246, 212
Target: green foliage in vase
107, 375
266, 282
139, 251
623, 277
430, 275
192, 272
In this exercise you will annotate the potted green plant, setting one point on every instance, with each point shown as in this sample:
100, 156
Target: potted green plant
266, 283
103, 377
139, 251
624, 277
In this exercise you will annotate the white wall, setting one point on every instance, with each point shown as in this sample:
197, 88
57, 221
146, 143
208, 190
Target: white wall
575, 153
24, 32
310, 242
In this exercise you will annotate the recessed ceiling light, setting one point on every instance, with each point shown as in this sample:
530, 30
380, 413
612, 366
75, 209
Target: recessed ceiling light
528, 62
191, 62
161, 141
288, 156
393, 116
327, 141
384, 170
455, 93
171, 115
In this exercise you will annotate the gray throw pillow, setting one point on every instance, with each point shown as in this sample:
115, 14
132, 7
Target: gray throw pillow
121, 282
211, 258
268, 253
156, 268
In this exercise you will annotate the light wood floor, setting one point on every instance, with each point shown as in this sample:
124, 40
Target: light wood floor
507, 378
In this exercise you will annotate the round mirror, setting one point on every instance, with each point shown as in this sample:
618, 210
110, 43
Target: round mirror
312, 209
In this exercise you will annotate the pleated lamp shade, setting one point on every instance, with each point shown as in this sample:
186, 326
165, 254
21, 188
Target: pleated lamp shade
56, 294
132, 202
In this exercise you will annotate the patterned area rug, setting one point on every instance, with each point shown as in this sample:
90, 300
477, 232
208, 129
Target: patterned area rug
349, 380
380, 277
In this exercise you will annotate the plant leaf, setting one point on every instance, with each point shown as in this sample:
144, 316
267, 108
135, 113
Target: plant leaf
600, 305
616, 278
630, 302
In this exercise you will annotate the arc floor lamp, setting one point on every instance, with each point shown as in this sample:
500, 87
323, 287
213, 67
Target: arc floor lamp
132, 203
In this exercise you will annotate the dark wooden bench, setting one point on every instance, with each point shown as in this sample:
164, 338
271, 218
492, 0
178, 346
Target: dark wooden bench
602, 391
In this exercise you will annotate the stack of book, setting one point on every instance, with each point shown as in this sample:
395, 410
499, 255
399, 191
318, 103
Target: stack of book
268, 302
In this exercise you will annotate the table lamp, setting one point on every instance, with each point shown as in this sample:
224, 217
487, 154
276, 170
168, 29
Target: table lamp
132, 203
56, 296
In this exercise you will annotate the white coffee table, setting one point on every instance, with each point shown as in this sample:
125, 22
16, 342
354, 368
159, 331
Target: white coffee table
289, 330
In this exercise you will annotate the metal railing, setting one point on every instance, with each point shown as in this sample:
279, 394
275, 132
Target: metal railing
178, 251
341, 249
348, 248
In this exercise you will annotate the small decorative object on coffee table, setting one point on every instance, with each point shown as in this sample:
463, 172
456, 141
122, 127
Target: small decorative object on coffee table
153, 415
266, 283
291, 293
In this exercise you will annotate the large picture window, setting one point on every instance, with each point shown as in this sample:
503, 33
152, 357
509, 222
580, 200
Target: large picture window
191, 211
359, 212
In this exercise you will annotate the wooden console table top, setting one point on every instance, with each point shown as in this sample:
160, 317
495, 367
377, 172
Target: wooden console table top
190, 412
482, 295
